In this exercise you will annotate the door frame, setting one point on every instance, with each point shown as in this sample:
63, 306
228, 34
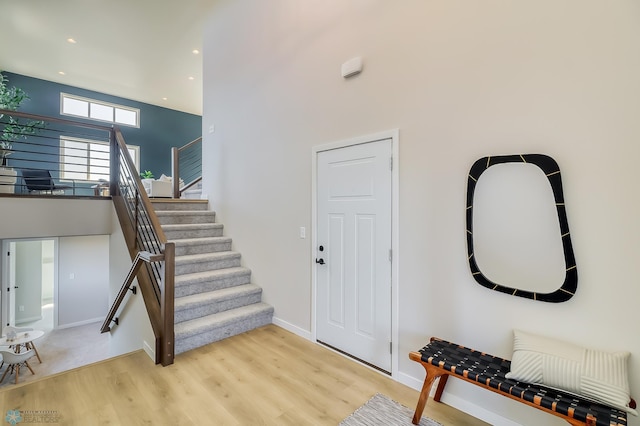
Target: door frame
394, 135
4, 277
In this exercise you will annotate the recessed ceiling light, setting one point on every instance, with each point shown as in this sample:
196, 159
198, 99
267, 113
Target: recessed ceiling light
62, 73
191, 78
195, 51
164, 99
72, 41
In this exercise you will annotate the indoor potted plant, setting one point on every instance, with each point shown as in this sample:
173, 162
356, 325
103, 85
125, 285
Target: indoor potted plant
12, 129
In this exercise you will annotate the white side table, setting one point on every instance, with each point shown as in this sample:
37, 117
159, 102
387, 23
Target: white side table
23, 339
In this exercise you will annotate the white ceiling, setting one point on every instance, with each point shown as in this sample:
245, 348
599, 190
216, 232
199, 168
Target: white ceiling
135, 49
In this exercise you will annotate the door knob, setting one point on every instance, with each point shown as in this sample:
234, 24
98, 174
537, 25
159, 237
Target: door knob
320, 261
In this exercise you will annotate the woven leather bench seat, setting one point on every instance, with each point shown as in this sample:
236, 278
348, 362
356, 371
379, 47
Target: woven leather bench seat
443, 359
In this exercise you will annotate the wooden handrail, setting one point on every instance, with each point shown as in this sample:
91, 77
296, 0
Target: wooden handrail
143, 233
143, 194
193, 142
141, 257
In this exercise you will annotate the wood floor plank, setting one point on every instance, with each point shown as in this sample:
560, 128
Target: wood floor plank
267, 376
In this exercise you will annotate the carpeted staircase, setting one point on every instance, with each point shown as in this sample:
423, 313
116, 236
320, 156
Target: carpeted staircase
214, 295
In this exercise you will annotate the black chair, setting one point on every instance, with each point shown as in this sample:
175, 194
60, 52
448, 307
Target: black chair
40, 181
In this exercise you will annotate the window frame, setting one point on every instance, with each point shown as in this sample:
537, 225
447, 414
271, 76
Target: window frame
97, 102
134, 148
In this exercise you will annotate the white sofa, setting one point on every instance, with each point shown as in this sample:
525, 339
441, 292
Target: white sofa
158, 188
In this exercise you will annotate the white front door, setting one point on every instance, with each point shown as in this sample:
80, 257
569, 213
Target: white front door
354, 251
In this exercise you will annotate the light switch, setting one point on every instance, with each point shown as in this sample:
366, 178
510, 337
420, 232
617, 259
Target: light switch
303, 232
72, 276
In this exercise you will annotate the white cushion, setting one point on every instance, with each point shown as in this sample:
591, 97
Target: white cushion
596, 375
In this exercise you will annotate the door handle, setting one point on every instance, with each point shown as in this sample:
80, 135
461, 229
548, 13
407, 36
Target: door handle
320, 261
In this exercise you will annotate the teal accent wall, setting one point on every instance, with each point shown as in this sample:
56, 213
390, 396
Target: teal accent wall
160, 128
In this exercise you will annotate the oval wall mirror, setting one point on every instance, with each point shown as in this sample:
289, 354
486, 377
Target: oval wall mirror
518, 239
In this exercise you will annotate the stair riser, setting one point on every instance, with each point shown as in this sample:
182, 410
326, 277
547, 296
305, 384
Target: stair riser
179, 219
183, 250
193, 233
187, 289
209, 265
215, 307
218, 333
159, 206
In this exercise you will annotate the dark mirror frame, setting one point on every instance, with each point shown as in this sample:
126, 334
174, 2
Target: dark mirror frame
551, 170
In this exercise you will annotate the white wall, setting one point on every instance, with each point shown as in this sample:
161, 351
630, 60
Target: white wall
83, 279
45, 217
461, 80
134, 329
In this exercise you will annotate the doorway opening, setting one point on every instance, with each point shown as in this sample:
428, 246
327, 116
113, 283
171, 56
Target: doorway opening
29, 283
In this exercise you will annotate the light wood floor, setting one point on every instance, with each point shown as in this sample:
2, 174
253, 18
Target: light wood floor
264, 377
62, 350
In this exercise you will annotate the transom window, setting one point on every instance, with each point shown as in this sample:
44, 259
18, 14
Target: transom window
84, 159
98, 110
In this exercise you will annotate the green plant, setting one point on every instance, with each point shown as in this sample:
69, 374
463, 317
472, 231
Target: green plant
146, 174
14, 128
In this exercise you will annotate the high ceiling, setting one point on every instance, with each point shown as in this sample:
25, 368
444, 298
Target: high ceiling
135, 49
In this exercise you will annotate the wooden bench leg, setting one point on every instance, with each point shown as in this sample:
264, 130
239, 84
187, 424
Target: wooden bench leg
432, 374
440, 388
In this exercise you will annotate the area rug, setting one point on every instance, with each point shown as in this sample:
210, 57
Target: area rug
383, 411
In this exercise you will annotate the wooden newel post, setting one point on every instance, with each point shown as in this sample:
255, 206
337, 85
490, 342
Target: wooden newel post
167, 305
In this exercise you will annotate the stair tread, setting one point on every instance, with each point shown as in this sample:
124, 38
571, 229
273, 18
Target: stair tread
214, 296
202, 324
200, 257
189, 226
200, 240
213, 274
185, 213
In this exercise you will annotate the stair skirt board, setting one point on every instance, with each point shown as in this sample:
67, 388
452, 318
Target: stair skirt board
214, 297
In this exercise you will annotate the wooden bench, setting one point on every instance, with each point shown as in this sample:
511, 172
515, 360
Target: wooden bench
443, 359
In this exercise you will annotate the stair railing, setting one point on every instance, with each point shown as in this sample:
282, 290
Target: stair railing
146, 242
147, 245
186, 165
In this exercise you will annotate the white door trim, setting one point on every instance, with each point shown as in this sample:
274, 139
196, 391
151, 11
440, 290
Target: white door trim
394, 135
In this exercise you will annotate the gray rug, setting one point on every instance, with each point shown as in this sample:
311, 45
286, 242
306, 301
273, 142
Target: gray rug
381, 410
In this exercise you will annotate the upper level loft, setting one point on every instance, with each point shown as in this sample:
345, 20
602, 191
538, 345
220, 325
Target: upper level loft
58, 157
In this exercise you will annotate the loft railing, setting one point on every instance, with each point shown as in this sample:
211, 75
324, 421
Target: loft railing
186, 163
94, 160
75, 155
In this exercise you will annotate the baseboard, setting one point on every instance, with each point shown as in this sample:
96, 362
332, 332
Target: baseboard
79, 323
149, 350
457, 402
477, 411
410, 381
292, 328
31, 319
